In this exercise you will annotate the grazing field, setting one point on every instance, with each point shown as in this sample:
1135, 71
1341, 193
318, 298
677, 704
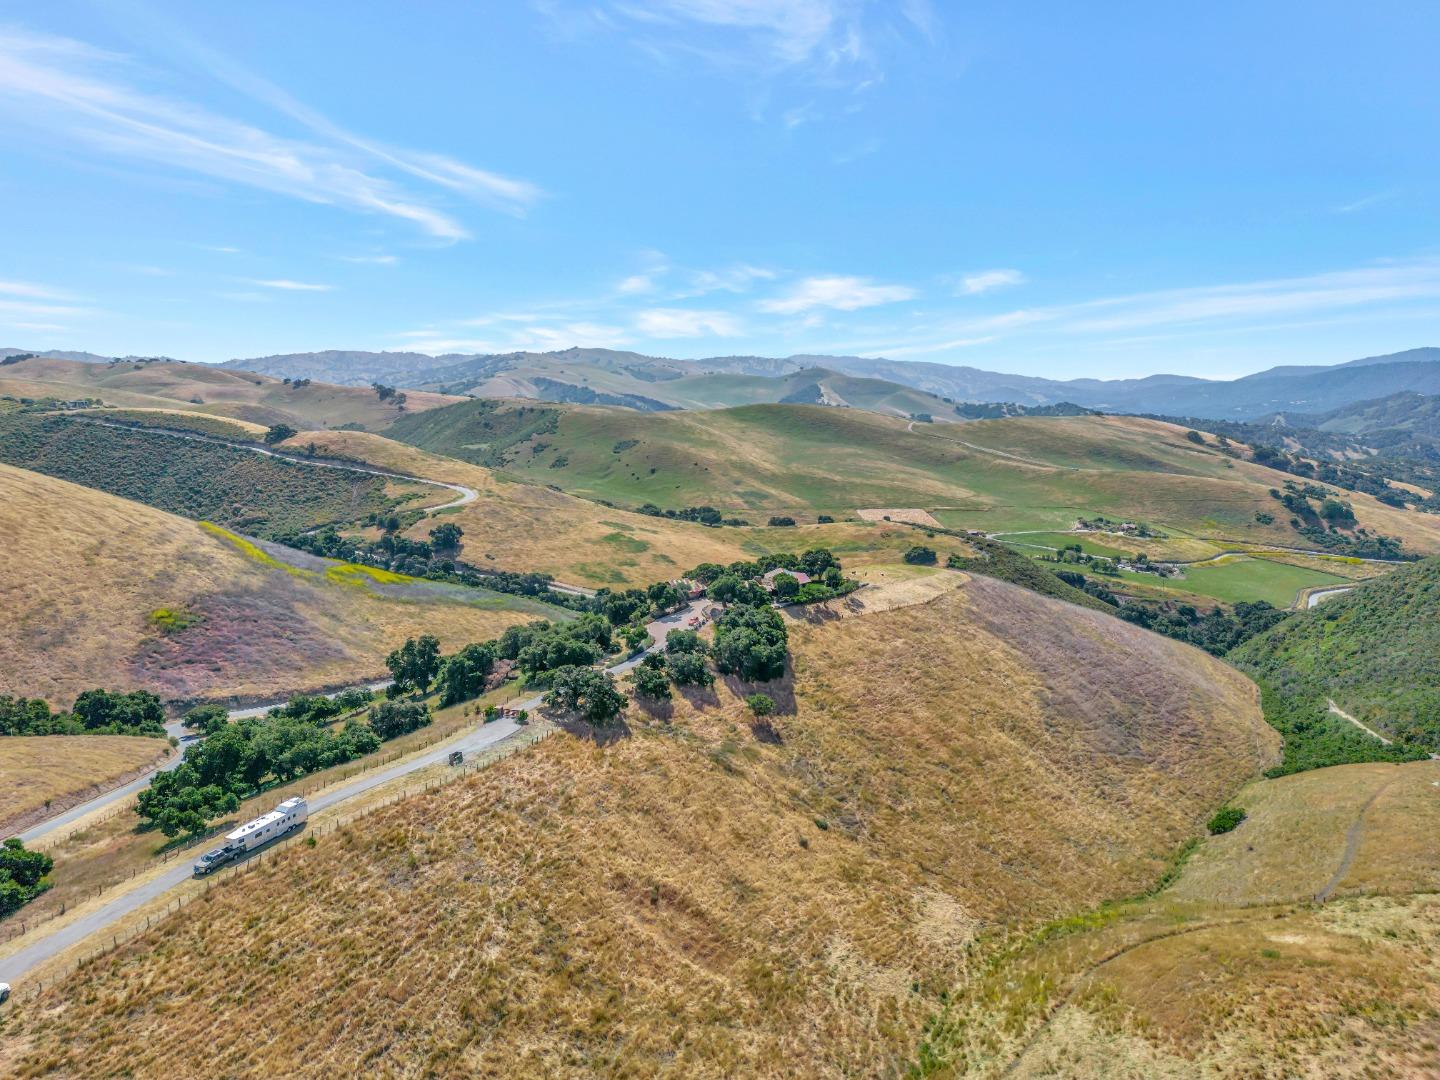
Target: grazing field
528, 527
44, 774
231, 486
1299, 944
700, 897
995, 475
205, 388
180, 420
85, 574
1235, 578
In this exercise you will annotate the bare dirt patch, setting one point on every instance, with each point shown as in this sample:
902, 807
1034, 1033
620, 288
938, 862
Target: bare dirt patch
911, 516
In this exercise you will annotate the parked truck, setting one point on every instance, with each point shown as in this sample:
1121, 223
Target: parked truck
284, 819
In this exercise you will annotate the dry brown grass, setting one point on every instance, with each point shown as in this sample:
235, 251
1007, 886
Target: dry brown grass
699, 899
205, 388
84, 572
1234, 971
527, 527
44, 774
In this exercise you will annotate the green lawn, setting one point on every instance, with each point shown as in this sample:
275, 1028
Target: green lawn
1242, 578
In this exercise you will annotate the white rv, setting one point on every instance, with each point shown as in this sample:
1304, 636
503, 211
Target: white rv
285, 818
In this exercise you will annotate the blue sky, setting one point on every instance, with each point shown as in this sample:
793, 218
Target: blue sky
1053, 189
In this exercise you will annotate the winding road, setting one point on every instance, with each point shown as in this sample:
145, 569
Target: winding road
49, 940
464, 494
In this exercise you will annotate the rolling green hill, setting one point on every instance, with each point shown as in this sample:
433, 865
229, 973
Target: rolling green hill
1374, 651
233, 487
1000, 475
205, 388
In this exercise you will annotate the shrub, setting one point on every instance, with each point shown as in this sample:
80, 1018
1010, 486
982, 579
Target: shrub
391, 719
278, 433
586, 691
920, 555
784, 522
1225, 819
761, 704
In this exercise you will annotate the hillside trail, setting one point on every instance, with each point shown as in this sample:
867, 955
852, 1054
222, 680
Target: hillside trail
1346, 716
994, 452
1353, 836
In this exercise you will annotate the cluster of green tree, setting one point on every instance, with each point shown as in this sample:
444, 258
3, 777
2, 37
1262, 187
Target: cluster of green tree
994, 559
1128, 528
1216, 631
704, 515
1374, 650
1322, 526
22, 875
994, 410
920, 555
1316, 738
586, 691
296, 384
681, 664
229, 485
751, 642
95, 712
278, 433
1400, 455
390, 394
739, 582
237, 760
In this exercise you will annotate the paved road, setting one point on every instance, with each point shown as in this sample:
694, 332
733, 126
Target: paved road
49, 945
117, 795
110, 798
1320, 594
465, 494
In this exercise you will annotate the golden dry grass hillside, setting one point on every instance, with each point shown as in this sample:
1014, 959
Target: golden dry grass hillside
698, 898
101, 591
205, 388
527, 527
44, 774
1302, 944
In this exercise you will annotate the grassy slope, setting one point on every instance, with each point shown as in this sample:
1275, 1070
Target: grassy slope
1375, 651
524, 526
233, 487
1234, 971
1019, 473
84, 571
693, 900
205, 388
59, 771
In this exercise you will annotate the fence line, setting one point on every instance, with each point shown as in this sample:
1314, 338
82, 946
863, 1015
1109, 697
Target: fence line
15, 929
537, 731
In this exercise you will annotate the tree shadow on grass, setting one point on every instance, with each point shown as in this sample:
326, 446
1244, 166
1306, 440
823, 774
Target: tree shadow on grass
576, 725
661, 709
699, 697
781, 690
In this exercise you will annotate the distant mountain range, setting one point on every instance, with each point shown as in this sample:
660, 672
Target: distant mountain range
634, 380
713, 381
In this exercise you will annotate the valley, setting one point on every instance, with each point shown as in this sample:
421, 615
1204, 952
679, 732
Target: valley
992, 733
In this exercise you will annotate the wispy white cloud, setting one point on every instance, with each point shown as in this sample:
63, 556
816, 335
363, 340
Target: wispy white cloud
370, 260
31, 291
636, 284
826, 44
840, 293
291, 286
1364, 203
39, 327
685, 323
67, 89
1379, 291
984, 281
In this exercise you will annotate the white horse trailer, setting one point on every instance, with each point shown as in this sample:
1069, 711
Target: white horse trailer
285, 818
